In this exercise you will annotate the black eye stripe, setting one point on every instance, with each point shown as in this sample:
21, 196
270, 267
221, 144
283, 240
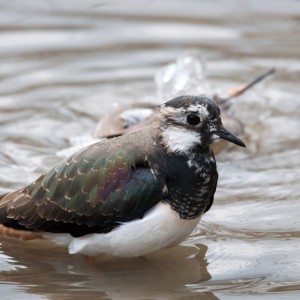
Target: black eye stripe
193, 119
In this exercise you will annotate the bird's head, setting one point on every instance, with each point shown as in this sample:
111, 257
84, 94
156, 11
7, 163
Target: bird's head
189, 121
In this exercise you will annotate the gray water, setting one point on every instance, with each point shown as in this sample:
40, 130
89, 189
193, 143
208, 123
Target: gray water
64, 64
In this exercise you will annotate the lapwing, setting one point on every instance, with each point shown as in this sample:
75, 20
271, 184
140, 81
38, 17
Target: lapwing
129, 195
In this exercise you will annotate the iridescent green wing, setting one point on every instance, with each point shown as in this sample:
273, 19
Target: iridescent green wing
92, 191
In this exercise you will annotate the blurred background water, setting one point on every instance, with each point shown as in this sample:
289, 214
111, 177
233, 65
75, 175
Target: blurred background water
65, 64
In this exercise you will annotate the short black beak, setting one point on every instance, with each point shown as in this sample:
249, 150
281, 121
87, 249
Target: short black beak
224, 134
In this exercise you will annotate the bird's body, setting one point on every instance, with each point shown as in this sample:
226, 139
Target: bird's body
126, 119
159, 228
130, 195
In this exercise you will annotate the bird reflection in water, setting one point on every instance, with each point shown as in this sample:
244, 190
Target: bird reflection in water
163, 274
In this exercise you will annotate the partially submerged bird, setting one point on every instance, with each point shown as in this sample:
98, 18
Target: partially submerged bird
136, 116
130, 195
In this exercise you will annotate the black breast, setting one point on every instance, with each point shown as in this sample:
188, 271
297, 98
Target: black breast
191, 182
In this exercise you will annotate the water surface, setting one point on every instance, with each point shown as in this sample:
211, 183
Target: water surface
64, 64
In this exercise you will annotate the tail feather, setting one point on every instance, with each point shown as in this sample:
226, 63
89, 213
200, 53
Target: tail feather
9, 226
5, 200
3, 210
89, 244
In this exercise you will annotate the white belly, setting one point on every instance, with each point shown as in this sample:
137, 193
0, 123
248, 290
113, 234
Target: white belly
161, 227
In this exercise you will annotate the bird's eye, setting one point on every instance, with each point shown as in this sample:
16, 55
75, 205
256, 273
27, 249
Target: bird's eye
193, 119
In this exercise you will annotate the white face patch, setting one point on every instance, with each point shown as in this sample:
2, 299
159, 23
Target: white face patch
135, 115
178, 139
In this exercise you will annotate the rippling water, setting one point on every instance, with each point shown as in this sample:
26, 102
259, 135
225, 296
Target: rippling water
64, 64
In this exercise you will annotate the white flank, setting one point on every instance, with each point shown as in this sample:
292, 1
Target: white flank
136, 115
161, 227
179, 139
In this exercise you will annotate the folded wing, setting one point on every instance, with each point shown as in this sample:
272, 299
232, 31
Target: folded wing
94, 190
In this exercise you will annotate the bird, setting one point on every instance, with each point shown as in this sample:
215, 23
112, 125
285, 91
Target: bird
133, 117
125, 119
130, 195
138, 115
